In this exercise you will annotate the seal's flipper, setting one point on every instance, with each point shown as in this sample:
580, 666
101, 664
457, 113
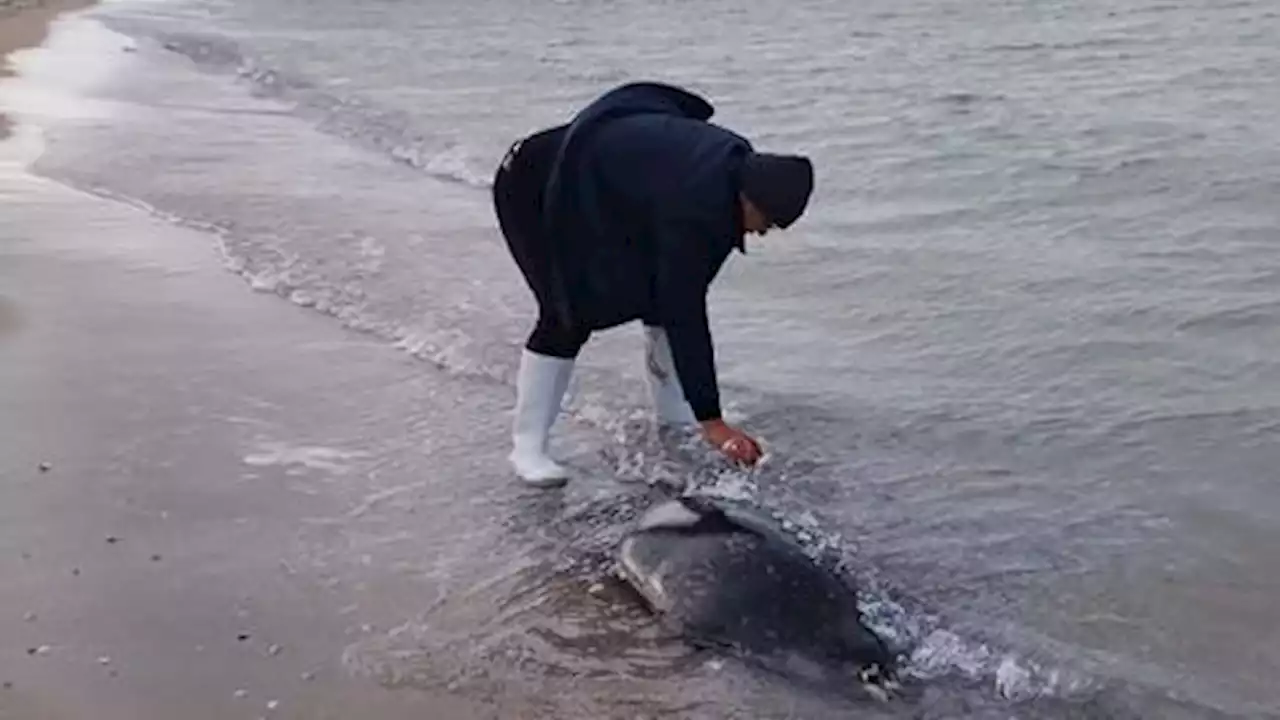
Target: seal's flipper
744, 517
671, 515
691, 515
718, 523
700, 505
715, 517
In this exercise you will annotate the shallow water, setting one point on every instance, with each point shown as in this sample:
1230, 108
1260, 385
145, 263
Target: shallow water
1029, 395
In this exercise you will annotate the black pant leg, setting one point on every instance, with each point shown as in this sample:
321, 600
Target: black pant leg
517, 197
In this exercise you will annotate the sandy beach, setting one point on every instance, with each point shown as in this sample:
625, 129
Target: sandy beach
152, 543
153, 506
161, 510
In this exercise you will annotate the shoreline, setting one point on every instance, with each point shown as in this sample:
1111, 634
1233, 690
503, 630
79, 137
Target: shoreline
164, 553
26, 24
173, 438
169, 544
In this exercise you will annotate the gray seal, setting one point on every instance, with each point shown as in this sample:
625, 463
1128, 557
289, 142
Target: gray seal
726, 576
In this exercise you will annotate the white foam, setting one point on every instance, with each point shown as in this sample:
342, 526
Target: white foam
1011, 678
942, 652
57, 80
312, 457
456, 164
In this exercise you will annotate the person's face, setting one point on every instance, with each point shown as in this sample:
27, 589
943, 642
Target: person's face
753, 220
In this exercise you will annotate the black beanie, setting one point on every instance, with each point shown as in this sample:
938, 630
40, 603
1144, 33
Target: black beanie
779, 185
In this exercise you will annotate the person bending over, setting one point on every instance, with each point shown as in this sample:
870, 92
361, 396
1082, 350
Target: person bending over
627, 212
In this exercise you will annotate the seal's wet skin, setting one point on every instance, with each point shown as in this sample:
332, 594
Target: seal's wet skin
727, 577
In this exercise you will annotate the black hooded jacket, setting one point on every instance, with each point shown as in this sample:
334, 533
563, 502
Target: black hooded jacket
641, 209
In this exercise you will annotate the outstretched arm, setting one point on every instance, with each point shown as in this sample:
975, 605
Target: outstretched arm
686, 266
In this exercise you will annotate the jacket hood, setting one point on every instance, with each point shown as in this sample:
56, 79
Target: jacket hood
634, 98
645, 97
570, 202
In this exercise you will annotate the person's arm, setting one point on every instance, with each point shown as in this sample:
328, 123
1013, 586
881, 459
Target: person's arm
694, 358
685, 267
687, 264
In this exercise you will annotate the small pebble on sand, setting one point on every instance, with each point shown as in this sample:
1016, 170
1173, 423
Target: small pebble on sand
112, 539
243, 637
274, 650
104, 660
29, 617
46, 466
596, 589
241, 694
308, 676
273, 704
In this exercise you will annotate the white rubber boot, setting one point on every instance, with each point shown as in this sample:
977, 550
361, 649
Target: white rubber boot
540, 386
664, 385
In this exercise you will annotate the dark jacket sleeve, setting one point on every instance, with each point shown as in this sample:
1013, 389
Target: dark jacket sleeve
687, 262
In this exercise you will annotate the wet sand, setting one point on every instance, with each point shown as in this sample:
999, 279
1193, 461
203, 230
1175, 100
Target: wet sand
214, 502
24, 24
164, 477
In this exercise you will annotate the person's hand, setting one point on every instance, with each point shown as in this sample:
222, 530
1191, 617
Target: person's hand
735, 444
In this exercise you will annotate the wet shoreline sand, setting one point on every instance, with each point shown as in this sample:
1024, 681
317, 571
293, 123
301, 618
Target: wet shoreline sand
158, 536
158, 557
25, 24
